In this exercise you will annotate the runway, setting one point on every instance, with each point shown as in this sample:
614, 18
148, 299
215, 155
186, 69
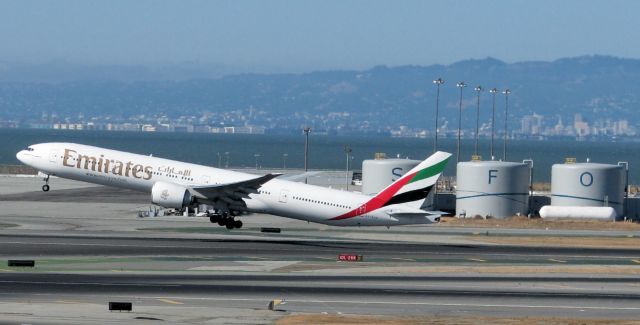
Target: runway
390, 295
89, 249
13, 246
245, 274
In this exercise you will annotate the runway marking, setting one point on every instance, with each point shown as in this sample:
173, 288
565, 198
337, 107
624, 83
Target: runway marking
558, 286
69, 302
325, 258
636, 261
403, 259
5, 270
477, 260
169, 301
259, 258
555, 260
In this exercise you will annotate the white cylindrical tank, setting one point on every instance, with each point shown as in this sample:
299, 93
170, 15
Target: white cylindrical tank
379, 173
599, 213
492, 188
588, 184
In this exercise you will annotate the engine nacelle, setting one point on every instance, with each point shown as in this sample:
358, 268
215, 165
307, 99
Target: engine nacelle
170, 195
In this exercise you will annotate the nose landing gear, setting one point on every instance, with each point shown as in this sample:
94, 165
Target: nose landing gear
45, 187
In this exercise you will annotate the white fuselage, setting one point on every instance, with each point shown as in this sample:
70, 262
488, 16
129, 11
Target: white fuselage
138, 172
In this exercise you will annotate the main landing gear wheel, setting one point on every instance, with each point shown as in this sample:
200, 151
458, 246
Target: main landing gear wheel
229, 223
233, 224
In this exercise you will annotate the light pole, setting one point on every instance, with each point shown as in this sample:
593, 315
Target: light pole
438, 82
347, 151
284, 160
493, 92
506, 93
219, 160
460, 85
257, 155
227, 164
478, 90
306, 151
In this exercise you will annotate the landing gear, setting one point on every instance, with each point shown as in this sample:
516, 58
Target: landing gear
225, 220
237, 224
45, 187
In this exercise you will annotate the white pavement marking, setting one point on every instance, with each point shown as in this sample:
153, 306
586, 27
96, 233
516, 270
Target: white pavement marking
477, 260
169, 301
556, 260
403, 259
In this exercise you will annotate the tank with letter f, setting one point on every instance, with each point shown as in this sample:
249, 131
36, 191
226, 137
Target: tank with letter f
492, 188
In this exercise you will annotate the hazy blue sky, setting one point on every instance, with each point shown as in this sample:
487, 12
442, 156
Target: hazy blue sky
309, 35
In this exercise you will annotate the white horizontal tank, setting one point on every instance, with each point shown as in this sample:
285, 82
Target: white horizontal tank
492, 188
381, 172
588, 184
567, 212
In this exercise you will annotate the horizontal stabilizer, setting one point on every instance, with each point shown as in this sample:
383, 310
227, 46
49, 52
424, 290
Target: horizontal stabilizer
403, 213
231, 191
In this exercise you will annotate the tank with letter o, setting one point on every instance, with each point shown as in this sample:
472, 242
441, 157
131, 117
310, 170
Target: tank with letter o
588, 184
492, 188
380, 173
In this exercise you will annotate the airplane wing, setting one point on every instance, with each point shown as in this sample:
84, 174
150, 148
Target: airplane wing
231, 193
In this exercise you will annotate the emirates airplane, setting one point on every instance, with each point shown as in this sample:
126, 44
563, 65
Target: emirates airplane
227, 194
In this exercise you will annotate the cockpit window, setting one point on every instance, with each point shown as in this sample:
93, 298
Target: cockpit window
29, 149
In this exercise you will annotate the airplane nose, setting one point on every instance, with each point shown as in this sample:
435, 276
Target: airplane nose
21, 156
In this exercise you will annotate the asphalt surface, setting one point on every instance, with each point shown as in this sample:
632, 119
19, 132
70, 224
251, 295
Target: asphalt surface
394, 295
77, 245
93, 250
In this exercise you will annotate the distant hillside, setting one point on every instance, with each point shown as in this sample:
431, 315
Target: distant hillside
595, 86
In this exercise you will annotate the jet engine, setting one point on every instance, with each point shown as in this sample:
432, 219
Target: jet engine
170, 195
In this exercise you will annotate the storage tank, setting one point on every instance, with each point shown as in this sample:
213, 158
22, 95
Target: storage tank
588, 184
492, 188
380, 172
564, 212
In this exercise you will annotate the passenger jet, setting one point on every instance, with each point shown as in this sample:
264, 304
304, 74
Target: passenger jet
227, 194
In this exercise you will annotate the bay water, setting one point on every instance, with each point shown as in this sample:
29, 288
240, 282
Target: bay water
325, 152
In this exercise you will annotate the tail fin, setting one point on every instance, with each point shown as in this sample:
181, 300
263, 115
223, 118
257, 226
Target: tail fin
412, 188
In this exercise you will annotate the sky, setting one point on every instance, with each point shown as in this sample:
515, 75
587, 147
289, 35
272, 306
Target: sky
306, 35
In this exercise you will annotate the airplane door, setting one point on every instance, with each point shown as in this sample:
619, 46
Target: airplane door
204, 180
53, 155
284, 195
362, 209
